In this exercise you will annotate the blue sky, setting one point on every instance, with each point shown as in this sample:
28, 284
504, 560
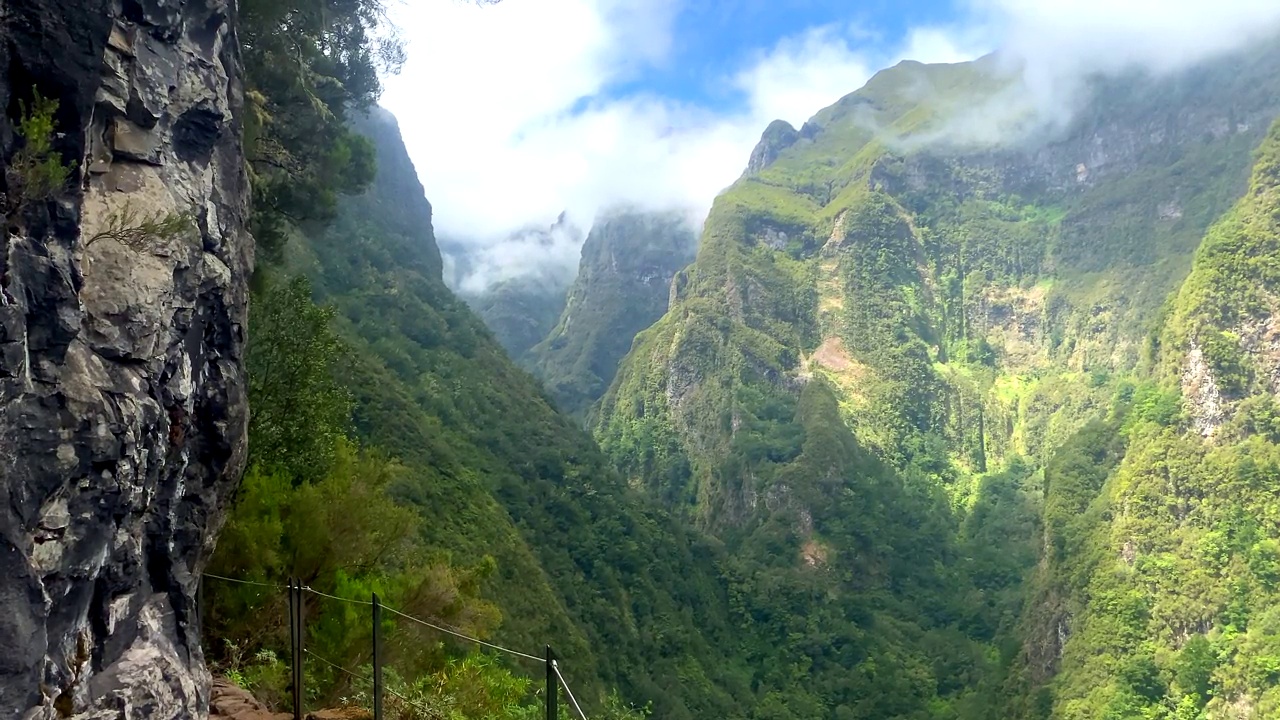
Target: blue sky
518, 111
711, 35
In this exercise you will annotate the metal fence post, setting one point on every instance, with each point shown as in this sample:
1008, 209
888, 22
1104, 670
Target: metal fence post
552, 685
295, 644
377, 659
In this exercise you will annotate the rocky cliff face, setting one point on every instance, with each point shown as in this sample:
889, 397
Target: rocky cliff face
623, 286
122, 406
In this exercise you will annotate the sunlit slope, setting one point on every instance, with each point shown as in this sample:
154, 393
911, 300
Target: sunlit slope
1158, 593
961, 288
962, 282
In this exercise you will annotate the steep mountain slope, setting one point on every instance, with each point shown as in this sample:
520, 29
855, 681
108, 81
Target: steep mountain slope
519, 311
949, 290
629, 598
1158, 595
517, 287
623, 287
961, 289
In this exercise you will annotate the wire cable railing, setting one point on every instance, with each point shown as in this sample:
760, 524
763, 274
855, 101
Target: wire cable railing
295, 589
353, 601
369, 679
462, 636
440, 628
273, 586
564, 684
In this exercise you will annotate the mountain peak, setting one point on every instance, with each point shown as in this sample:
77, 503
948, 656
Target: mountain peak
779, 136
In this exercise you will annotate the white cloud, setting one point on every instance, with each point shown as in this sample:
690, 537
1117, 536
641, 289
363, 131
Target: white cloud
532, 253
802, 75
1114, 35
950, 44
1059, 44
487, 99
505, 111
501, 112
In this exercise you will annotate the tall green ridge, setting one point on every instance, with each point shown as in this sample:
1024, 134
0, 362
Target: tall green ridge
623, 286
1158, 597
581, 561
926, 297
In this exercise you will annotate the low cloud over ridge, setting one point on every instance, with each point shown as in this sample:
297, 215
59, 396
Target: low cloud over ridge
508, 114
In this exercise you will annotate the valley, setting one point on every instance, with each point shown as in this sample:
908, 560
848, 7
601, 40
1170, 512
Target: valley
960, 401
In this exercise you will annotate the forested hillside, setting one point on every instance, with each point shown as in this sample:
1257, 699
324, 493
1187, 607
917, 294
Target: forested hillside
957, 294
963, 306
505, 511
1159, 593
936, 425
395, 448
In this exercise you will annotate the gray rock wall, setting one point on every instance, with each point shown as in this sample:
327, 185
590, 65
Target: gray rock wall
122, 397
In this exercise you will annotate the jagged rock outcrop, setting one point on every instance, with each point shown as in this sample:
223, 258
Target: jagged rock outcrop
623, 286
1203, 397
226, 700
122, 401
779, 136
229, 702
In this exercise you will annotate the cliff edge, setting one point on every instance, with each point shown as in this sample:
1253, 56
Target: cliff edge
123, 299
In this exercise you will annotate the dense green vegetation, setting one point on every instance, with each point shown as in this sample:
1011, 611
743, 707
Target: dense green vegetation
393, 447
307, 65
319, 503
623, 287
968, 309
502, 507
495, 470
931, 429
1164, 557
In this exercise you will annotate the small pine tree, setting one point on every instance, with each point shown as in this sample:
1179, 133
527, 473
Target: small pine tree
36, 172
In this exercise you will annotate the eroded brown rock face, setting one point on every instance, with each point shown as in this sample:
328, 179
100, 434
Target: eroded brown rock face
122, 396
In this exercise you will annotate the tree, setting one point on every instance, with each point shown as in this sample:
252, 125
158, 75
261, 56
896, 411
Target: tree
308, 63
300, 410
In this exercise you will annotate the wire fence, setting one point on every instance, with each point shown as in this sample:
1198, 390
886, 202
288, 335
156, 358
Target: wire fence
369, 679
295, 590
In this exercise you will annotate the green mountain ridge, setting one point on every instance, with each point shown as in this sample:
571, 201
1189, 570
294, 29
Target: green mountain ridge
927, 430
908, 274
623, 286
967, 309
